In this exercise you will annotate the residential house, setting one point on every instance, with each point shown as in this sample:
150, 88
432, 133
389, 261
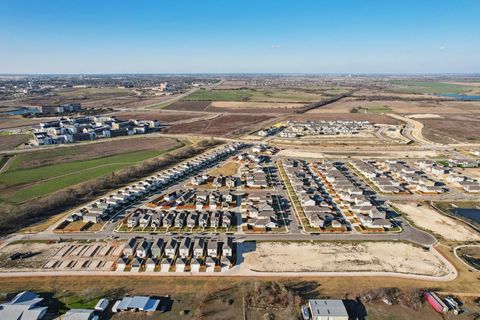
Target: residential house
143, 249
158, 247
195, 265
171, 248
180, 264
185, 247
212, 248
210, 264
129, 248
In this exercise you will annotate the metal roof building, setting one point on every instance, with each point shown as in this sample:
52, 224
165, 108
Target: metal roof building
327, 309
23, 307
140, 303
80, 314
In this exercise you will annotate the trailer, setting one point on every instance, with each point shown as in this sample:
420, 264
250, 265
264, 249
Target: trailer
434, 300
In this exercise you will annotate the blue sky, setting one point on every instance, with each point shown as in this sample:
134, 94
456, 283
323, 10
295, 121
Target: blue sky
341, 36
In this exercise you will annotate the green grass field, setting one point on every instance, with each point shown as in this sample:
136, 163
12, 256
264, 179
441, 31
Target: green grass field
378, 109
21, 185
258, 95
412, 86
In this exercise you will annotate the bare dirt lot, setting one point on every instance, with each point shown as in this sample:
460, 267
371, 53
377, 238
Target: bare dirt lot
223, 125
454, 128
257, 107
430, 219
167, 117
320, 152
398, 106
227, 169
60, 256
189, 105
425, 116
8, 142
374, 118
341, 257
10, 122
91, 151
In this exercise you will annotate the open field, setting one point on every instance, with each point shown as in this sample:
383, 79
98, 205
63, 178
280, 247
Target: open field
344, 257
116, 98
89, 151
319, 152
430, 219
378, 94
73, 95
414, 86
228, 169
38, 177
167, 117
10, 141
257, 107
374, 118
265, 95
223, 125
464, 83
188, 105
10, 122
454, 128
346, 105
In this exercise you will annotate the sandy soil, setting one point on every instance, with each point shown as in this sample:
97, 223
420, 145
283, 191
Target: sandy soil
428, 218
344, 257
425, 116
43, 252
472, 172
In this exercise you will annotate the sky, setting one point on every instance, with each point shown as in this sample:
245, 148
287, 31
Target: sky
240, 36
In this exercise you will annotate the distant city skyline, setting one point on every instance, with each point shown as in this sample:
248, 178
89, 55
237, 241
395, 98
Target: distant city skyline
302, 37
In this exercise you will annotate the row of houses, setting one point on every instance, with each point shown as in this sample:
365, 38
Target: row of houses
62, 108
194, 199
177, 265
411, 178
217, 182
269, 131
97, 210
384, 182
336, 127
261, 211
454, 175
353, 198
165, 253
320, 209
179, 219
254, 175
182, 247
68, 130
